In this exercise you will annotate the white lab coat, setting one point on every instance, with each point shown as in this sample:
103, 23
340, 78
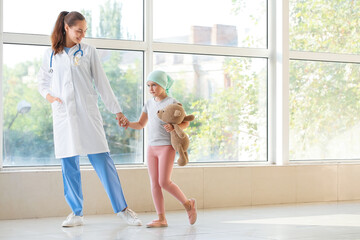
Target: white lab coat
77, 123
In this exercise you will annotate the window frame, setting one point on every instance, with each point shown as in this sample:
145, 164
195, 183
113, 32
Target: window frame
277, 53
1, 87
329, 57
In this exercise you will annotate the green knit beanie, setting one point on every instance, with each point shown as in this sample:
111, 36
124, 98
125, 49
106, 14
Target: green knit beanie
161, 78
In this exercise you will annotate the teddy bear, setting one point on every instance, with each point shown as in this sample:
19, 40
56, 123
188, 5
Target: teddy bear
175, 114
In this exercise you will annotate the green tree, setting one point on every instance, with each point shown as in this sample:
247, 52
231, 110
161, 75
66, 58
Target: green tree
89, 21
126, 84
324, 97
31, 135
31, 132
110, 20
227, 124
325, 26
230, 125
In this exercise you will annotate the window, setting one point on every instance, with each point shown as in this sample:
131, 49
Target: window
27, 127
324, 80
218, 22
324, 26
228, 97
215, 50
324, 110
114, 19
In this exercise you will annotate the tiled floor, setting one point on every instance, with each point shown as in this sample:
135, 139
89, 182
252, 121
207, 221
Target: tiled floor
325, 221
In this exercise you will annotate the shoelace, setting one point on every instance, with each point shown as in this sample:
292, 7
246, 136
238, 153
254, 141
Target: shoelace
132, 213
70, 216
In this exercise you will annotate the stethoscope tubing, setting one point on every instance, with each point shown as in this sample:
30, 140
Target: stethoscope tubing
52, 54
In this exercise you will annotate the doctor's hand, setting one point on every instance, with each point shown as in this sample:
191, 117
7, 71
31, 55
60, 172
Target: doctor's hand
52, 99
122, 120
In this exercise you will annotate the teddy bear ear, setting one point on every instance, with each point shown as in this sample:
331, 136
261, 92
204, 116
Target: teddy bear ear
179, 104
177, 113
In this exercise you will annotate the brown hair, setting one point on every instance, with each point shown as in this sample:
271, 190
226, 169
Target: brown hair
58, 34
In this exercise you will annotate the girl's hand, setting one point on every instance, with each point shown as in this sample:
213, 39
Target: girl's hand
169, 127
52, 99
122, 120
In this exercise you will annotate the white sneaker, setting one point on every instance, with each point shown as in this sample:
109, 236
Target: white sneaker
73, 221
130, 217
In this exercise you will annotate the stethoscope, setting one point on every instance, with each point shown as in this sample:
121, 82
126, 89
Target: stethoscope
76, 59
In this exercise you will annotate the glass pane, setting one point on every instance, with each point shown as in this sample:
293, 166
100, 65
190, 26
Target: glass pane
114, 19
28, 136
239, 23
324, 110
325, 26
227, 95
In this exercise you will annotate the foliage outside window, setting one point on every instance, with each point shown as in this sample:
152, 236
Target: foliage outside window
113, 19
324, 96
28, 138
325, 26
228, 97
325, 110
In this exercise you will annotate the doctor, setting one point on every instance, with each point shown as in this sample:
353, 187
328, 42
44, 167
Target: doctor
69, 71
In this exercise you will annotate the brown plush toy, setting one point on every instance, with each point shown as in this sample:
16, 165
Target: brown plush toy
175, 114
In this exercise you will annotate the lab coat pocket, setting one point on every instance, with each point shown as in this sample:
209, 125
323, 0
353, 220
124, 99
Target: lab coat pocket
59, 112
58, 109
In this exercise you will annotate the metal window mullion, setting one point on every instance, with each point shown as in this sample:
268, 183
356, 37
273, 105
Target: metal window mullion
281, 68
148, 46
26, 39
272, 82
149, 54
44, 40
210, 50
1, 83
116, 44
149, 51
324, 57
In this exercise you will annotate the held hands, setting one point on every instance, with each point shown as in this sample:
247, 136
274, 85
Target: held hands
122, 120
168, 127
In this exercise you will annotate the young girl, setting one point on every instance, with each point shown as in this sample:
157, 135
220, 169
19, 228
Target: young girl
161, 154
66, 80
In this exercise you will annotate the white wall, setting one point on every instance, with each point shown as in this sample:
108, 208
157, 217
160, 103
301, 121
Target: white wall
39, 193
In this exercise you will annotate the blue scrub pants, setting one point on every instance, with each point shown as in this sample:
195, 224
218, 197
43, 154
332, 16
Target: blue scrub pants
105, 169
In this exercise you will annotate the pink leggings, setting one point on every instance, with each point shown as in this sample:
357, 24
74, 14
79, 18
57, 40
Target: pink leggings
160, 165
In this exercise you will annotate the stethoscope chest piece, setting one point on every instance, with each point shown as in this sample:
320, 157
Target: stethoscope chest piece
77, 56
